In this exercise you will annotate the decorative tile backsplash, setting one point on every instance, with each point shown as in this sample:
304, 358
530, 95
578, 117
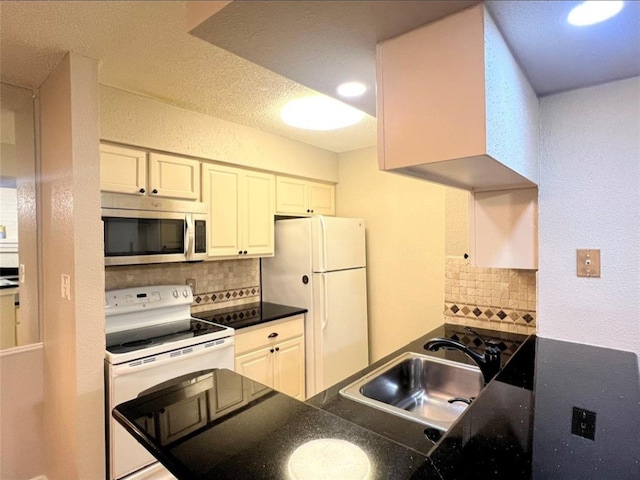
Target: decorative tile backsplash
494, 298
222, 283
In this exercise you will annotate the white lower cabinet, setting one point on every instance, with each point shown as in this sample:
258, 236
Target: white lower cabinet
273, 354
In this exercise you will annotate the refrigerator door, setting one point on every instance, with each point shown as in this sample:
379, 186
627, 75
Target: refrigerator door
340, 326
338, 243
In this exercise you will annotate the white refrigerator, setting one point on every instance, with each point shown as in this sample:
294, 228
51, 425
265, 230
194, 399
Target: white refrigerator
320, 265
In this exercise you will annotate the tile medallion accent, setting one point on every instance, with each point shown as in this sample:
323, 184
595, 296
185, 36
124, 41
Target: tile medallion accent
204, 301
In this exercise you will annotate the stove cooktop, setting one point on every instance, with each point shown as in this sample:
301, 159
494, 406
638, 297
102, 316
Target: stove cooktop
141, 339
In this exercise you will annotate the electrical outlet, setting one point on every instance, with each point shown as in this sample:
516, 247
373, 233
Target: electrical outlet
192, 283
583, 423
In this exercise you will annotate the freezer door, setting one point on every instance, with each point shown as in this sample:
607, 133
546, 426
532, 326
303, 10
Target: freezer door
286, 276
341, 327
338, 243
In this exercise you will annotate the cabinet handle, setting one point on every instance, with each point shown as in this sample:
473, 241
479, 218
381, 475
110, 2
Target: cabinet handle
245, 252
240, 252
272, 335
308, 211
154, 191
277, 349
142, 190
272, 350
311, 211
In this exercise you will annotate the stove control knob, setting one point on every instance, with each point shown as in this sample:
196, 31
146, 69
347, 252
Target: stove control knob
175, 293
185, 294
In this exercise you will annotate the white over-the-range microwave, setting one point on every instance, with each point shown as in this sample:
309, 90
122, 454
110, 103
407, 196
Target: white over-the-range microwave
141, 230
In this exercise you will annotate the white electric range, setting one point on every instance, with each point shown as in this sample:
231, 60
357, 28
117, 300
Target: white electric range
152, 339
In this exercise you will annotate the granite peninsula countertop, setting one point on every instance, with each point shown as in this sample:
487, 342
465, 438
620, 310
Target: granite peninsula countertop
519, 427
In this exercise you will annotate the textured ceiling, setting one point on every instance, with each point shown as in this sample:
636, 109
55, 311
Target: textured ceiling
557, 56
143, 47
320, 44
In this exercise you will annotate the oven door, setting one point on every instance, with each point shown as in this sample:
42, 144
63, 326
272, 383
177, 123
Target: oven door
125, 381
136, 237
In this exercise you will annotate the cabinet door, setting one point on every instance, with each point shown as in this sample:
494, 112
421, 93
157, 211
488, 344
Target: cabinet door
503, 226
220, 189
8, 319
322, 199
292, 196
258, 207
258, 366
123, 170
174, 177
289, 375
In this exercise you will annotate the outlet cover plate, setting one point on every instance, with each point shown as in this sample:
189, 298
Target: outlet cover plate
583, 423
588, 263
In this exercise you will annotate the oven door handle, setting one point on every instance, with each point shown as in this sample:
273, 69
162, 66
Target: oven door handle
140, 365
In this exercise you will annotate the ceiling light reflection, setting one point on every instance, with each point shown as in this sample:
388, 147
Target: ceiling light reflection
592, 12
319, 113
329, 458
351, 89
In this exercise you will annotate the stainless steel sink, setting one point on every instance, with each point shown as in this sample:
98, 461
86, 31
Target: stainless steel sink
420, 388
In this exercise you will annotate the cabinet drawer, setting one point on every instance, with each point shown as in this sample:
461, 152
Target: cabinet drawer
257, 337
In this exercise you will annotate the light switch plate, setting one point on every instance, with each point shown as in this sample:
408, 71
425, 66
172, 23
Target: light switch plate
588, 263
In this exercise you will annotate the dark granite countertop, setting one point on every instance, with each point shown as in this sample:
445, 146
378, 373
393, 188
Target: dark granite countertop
249, 314
519, 427
218, 424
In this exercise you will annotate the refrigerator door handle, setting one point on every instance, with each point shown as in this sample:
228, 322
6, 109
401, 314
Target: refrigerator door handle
325, 306
325, 261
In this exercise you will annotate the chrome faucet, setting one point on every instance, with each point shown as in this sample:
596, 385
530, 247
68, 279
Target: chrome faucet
489, 362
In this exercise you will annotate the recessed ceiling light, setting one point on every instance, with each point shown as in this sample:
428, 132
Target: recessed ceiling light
319, 113
351, 89
591, 12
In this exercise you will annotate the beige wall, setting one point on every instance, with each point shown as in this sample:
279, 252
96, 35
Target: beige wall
405, 248
73, 432
21, 413
456, 221
136, 120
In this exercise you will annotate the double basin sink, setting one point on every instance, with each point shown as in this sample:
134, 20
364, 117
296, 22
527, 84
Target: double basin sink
424, 389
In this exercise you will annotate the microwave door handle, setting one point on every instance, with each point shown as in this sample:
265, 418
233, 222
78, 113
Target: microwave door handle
188, 237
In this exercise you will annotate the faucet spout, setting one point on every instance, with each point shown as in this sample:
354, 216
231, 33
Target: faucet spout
489, 362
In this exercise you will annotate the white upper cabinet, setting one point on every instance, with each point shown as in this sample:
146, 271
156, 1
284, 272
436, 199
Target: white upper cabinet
123, 170
454, 106
241, 211
137, 172
174, 177
304, 198
503, 226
